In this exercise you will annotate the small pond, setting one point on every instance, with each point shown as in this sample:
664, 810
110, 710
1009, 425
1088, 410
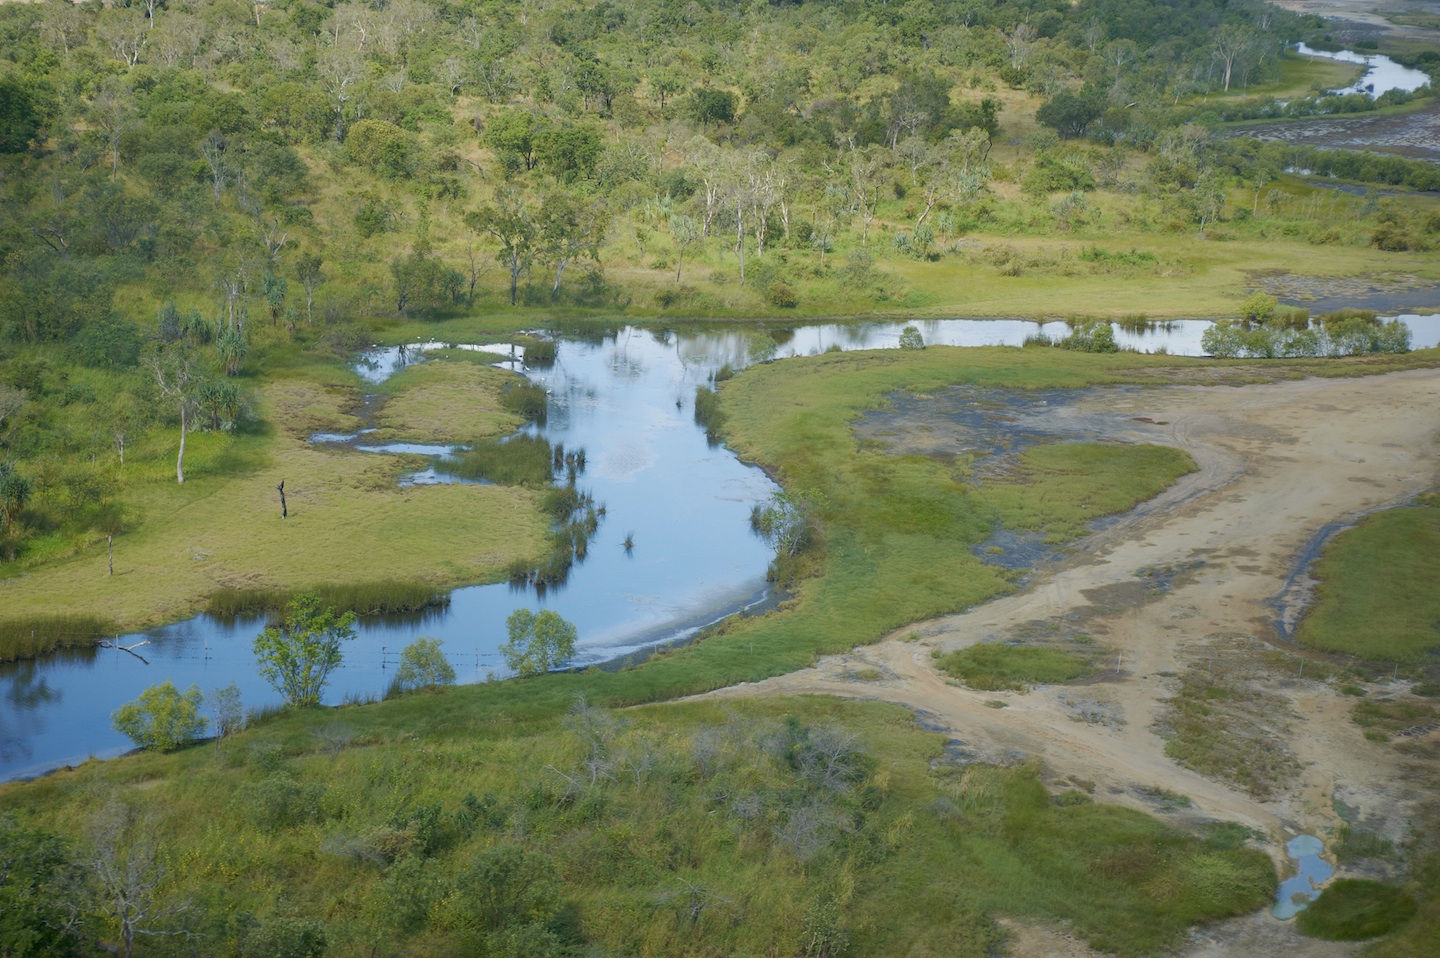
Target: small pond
1312, 871
627, 399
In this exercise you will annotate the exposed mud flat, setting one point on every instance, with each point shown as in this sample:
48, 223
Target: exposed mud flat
1185, 583
1386, 295
1415, 134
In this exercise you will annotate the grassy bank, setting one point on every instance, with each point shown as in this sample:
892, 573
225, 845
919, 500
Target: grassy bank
759, 827
1379, 593
222, 529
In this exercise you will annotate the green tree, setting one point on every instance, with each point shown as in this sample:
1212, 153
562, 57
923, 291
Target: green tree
19, 116
161, 719
1068, 113
509, 222
709, 105
538, 642
910, 338
513, 132
36, 874
423, 665
297, 656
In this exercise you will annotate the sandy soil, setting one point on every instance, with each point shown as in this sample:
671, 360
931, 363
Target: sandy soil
1277, 462
1364, 15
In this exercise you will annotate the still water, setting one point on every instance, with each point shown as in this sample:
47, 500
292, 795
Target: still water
1381, 74
627, 399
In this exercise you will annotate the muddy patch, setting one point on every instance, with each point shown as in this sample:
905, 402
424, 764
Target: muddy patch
1415, 134
1385, 294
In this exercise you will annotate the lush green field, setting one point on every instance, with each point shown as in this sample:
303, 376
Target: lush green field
758, 828
1379, 594
994, 667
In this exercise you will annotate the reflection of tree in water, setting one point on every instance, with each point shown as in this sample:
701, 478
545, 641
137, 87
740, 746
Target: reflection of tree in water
25, 692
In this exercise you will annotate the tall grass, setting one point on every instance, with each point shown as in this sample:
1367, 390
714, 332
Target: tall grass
363, 598
525, 399
709, 412
995, 667
513, 461
30, 636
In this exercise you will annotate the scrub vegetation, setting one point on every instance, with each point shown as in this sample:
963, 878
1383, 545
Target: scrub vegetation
805, 826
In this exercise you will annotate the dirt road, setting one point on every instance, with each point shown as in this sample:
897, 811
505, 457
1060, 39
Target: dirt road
1277, 463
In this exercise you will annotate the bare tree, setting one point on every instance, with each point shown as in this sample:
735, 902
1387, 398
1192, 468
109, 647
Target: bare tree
684, 231
340, 67
213, 148
129, 873
175, 374
1018, 42
125, 36
111, 111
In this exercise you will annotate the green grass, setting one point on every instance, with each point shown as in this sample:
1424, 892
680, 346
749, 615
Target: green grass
1379, 594
993, 667
1058, 487
367, 819
1354, 909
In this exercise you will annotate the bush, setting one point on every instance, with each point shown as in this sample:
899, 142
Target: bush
161, 718
537, 642
783, 295
423, 665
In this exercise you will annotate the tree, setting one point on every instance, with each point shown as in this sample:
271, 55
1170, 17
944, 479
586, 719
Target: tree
684, 230
538, 642
509, 222
36, 874
513, 132
423, 665
708, 106
161, 719
310, 274
570, 227
19, 116
910, 338
227, 711
298, 655
129, 872
1068, 113
174, 371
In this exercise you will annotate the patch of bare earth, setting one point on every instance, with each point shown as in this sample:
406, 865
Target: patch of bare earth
1277, 462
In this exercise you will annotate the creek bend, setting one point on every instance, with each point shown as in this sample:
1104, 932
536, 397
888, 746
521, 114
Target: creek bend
627, 399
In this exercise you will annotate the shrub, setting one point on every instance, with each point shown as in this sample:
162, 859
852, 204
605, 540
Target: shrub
423, 665
783, 295
538, 642
910, 338
161, 718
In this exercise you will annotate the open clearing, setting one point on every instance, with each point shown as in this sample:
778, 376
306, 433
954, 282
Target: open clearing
1277, 462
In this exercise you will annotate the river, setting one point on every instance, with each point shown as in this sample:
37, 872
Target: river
627, 399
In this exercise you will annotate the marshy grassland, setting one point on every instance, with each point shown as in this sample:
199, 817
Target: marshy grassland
222, 529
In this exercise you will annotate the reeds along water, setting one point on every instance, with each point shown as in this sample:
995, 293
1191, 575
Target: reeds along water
30, 636
363, 598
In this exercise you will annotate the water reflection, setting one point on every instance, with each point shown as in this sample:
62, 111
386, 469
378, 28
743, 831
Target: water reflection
625, 396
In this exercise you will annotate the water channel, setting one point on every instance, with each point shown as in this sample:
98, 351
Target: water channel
1381, 72
627, 399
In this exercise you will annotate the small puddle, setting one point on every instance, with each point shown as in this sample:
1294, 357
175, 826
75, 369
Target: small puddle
1297, 892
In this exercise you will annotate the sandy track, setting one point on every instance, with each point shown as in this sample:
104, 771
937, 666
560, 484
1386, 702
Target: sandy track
1277, 462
